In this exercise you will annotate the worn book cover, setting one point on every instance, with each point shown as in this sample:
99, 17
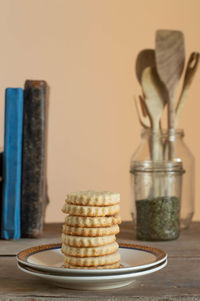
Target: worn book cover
12, 164
1, 179
34, 179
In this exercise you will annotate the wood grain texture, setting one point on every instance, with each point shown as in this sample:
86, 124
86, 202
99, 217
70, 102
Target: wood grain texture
145, 58
191, 69
127, 234
153, 96
155, 104
170, 59
141, 112
170, 283
180, 280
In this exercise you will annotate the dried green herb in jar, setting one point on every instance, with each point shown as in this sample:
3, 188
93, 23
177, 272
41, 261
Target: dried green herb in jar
158, 218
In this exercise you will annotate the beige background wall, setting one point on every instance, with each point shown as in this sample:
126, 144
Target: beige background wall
86, 50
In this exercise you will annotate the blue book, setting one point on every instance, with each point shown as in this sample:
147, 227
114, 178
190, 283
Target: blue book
12, 164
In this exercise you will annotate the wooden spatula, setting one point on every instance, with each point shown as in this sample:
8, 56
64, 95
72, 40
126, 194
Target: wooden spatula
170, 59
191, 69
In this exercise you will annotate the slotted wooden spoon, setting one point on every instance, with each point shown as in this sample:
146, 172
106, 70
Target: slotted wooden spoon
170, 59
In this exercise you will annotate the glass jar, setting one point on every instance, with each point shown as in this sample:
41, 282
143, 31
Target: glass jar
183, 153
155, 202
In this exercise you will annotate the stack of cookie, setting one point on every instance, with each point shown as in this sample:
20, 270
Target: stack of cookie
88, 236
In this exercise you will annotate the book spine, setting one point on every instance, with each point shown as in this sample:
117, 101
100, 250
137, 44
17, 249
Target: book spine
1, 191
34, 190
12, 162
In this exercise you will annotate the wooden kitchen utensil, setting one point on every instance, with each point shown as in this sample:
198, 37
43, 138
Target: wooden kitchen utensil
155, 104
144, 109
145, 58
140, 113
170, 58
191, 69
143, 105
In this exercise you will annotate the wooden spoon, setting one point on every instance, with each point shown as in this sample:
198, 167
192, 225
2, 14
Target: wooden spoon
191, 69
144, 109
155, 103
170, 58
145, 58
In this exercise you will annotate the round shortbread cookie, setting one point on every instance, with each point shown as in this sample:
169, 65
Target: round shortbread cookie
90, 252
93, 198
92, 261
78, 241
91, 210
92, 222
91, 231
100, 267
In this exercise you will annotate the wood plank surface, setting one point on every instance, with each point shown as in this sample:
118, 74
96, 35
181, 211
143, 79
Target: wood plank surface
180, 280
52, 234
188, 244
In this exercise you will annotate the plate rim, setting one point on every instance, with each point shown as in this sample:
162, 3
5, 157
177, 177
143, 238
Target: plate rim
24, 254
96, 277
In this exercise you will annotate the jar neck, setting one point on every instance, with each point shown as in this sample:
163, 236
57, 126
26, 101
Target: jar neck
175, 166
178, 133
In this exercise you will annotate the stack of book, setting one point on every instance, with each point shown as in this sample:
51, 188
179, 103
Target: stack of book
23, 161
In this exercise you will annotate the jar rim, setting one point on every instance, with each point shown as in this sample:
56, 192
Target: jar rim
175, 166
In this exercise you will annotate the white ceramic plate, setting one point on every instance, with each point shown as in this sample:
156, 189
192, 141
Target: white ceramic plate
49, 258
91, 282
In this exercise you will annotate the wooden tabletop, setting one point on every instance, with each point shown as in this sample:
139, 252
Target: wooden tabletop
180, 280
